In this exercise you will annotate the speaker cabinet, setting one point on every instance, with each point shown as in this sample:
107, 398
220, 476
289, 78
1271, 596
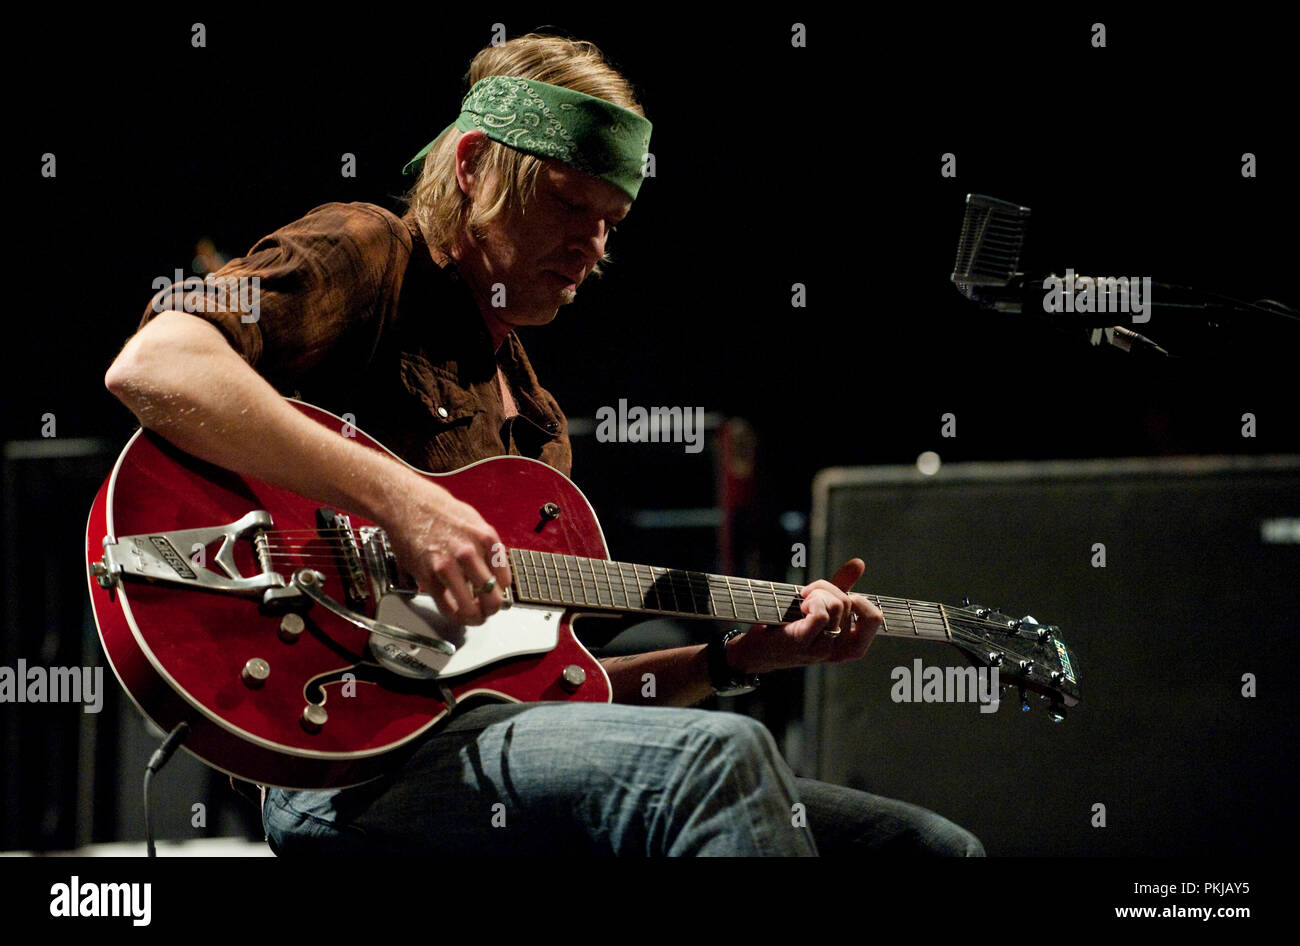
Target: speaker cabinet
1174, 581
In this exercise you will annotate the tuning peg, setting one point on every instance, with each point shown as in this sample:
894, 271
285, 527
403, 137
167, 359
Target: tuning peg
1057, 713
965, 602
1024, 701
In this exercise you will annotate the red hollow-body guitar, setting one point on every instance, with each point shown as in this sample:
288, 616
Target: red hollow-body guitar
287, 638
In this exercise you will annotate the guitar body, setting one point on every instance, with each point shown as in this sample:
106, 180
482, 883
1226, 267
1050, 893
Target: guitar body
181, 651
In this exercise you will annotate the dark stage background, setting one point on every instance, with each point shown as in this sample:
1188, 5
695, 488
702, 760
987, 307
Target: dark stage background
775, 165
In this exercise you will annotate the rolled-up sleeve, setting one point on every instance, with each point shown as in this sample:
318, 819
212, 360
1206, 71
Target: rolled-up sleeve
301, 291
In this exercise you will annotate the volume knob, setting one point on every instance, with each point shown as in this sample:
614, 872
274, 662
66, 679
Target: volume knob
314, 717
291, 626
573, 677
255, 673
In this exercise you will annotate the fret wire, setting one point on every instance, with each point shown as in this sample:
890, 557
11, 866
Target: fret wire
735, 615
609, 582
776, 602
534, 579
622, 581
525, 573
750, 586
551, 594
604, 564
611, 586
595, 581
595, 588
517, 575
745, 586
544, 582
614, 589
550, 557
568, 573
580, 590
570, 563
522, 570
671, 586
652, 587
554, 559
690, 588
527, 556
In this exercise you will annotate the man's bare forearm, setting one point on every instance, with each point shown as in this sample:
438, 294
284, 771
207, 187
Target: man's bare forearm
677, 677
181, 379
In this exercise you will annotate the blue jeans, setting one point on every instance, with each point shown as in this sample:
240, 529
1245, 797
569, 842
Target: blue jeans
584, 778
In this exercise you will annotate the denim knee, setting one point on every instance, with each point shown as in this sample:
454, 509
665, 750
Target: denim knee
740, 739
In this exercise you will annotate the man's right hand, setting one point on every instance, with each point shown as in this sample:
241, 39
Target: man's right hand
182, 379
449, 549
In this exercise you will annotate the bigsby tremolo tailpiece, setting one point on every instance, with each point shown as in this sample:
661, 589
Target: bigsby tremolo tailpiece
167, 557
172, 557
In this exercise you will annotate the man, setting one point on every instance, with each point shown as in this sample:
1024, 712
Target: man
407, 325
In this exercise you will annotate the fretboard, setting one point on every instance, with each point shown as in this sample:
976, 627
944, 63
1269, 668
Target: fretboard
569, 582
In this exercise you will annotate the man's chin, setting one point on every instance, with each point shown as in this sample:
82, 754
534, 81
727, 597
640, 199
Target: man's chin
544, 314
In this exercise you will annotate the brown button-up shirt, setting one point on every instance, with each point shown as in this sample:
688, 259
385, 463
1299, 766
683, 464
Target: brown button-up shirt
355, 314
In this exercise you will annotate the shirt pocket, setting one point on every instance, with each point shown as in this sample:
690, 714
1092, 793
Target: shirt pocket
447, 403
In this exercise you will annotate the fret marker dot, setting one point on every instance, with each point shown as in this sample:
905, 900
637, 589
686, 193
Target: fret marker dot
928, 463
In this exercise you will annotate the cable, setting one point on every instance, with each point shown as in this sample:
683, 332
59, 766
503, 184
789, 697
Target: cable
156, 762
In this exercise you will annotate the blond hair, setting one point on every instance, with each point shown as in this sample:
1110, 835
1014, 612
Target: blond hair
442, 210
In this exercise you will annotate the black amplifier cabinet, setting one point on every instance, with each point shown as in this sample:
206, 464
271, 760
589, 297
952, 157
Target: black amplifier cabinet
1175, 582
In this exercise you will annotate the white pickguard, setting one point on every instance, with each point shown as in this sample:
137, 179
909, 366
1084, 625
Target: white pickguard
512, 632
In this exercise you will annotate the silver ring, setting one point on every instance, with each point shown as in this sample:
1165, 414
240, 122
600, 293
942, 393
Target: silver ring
853, 623
485, 588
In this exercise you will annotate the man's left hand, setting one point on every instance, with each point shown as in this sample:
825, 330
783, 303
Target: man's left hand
827, 605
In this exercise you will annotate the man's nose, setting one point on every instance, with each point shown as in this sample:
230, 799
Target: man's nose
591, 239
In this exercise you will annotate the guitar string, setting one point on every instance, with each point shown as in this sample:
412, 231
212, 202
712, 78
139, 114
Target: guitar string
687, 581
680, 578
676, 575
898, 610
690, 584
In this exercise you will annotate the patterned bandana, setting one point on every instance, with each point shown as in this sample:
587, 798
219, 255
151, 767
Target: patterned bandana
596, 137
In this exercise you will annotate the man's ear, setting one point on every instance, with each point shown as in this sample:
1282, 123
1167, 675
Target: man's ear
468, 151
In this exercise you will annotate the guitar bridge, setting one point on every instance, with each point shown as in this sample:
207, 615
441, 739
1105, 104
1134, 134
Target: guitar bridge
161, 556
336, 529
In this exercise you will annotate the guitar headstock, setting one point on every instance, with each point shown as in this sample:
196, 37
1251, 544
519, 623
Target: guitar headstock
1027, 654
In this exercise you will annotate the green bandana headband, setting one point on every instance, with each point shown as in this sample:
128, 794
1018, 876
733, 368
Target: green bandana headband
596, 137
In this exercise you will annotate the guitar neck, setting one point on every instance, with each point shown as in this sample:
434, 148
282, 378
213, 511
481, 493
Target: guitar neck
571, 582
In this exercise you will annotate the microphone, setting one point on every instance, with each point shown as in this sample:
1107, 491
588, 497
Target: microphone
988, 253
987, 270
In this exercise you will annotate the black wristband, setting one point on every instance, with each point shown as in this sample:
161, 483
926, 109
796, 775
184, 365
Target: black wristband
724, 680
